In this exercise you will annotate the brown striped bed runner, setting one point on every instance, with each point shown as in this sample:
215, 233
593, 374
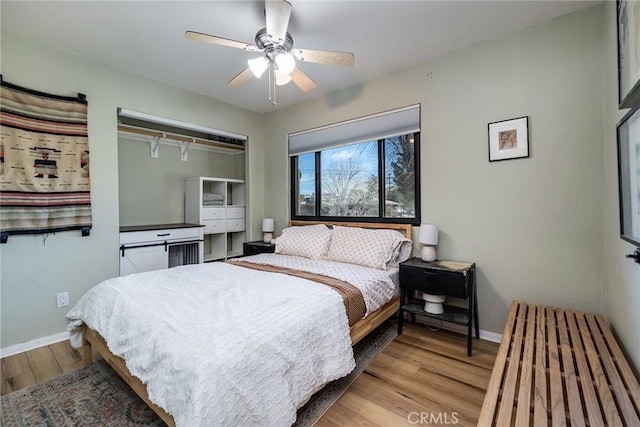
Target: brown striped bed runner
351, 296
559, 367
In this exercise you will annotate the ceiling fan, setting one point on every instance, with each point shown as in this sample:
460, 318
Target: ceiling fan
278, 55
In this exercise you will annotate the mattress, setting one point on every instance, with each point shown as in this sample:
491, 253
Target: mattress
221, 344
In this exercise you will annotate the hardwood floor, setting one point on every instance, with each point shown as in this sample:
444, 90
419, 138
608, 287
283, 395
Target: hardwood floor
35, 366
423, 377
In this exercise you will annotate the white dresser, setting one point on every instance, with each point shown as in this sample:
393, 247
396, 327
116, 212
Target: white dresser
154, 247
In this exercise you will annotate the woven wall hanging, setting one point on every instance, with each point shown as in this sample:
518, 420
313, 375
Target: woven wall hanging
44, 162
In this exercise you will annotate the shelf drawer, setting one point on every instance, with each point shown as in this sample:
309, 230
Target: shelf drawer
235, 225
235, 212
214, 226
159, 235
435, 282
212, 213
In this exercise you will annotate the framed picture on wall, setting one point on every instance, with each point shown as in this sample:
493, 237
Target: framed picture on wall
629, 176
509, 139
628, 53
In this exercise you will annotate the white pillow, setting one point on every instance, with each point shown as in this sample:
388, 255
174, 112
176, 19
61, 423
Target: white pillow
402, 253
309, 241
371, 248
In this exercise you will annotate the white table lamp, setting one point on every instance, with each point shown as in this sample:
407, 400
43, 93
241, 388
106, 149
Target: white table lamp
429, 239
267, 228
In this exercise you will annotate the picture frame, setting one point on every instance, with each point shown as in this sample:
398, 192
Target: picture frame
509, 139
628, 139
628, 23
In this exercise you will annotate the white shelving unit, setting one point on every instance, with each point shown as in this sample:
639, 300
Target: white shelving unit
224, 223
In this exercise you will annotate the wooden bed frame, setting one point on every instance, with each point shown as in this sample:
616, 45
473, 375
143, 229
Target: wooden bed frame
92, 340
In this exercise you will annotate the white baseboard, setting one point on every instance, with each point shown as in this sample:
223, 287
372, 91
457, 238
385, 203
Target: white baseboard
33, 344
454, 327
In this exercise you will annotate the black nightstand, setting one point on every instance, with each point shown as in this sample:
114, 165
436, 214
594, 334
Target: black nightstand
257, 247
450, 278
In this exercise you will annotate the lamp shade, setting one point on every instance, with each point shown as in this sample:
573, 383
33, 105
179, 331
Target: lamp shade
268, 225
282, 78
258, 65
428, 234
285, 62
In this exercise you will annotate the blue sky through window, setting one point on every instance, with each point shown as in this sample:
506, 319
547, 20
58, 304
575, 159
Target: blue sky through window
367, 158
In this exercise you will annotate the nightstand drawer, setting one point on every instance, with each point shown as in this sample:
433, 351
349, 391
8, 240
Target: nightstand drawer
435, 282
258, 247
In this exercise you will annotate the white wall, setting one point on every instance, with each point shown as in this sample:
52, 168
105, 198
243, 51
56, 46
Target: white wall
32, 273
533, 226
622, 275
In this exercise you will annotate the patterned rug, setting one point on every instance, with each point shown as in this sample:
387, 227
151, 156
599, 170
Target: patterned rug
97, 396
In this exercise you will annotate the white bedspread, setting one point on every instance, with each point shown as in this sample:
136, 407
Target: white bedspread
219, 344
378, 287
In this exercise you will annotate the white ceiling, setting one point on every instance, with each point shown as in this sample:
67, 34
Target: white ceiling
147, 38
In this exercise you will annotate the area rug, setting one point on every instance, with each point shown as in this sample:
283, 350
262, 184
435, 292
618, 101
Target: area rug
97, 396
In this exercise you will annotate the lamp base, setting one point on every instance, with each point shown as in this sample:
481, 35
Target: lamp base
267, 237
433, 307
434, 304
428, 253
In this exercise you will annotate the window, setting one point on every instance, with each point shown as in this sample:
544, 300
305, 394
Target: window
376, 180
349, 180
366, 169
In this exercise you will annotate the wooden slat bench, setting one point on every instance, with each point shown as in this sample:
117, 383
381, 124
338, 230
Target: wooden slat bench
559, 367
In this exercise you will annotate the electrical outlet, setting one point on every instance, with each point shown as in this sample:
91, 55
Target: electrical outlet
62, 299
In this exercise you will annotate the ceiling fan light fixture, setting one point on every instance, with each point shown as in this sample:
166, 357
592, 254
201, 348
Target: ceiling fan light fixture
258, 66
282, 78
285, 62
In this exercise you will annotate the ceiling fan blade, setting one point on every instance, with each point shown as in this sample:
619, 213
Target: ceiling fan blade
301, 80
277, 14
343, 59
241, 78
193, 35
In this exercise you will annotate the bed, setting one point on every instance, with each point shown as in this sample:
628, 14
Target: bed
253, 338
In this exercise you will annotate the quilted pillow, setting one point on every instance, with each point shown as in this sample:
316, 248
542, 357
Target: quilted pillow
371, 248
309, 241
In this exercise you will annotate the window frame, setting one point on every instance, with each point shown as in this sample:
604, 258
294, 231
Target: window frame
293, 164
